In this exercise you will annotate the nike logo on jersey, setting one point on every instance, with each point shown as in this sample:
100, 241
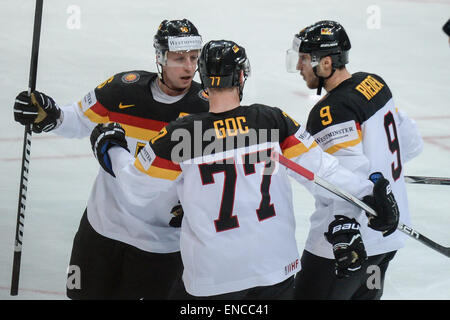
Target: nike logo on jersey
123, 106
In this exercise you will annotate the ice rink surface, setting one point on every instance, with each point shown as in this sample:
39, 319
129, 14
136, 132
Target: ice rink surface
400, 40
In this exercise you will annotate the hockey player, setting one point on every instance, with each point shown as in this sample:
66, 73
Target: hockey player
357, 122
238, 231
124, 251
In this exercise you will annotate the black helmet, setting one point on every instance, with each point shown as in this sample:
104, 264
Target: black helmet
322, 39
175, 35
220, 65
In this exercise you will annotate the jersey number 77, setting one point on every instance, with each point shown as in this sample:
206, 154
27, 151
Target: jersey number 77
226, 219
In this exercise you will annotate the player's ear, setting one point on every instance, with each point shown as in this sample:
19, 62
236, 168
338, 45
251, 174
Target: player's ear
326, 63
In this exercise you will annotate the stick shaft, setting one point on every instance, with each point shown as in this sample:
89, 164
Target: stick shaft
355, 201
321, 182
427, 180
26, 152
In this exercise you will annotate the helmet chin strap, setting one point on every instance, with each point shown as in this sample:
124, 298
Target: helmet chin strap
322, 79
161, 78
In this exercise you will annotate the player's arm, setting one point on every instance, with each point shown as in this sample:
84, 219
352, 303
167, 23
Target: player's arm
299, 146
140, 179
80, 118
337, 131
44, 114
411, 143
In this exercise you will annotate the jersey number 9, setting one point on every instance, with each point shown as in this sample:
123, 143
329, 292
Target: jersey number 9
394, 145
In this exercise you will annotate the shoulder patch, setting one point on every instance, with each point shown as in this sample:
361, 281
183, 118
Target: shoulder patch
341, 135
203, 95
130, 77
146, 157
88, 101
304, 137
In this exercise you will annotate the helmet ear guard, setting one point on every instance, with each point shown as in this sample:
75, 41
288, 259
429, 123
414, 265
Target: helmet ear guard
338, 59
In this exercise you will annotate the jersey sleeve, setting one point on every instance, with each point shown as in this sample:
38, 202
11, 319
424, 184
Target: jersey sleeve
336, 128
79, 118
298, 145
141, 179
411, 142
294, 139
74, 123
328, 168
155, 159
95, 107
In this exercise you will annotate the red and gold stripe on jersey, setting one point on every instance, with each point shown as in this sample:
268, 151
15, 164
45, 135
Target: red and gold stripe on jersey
297, 144
156, 167
135, 127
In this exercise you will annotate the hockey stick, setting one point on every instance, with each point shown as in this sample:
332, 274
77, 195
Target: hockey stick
427, 180
26, 154
355, 201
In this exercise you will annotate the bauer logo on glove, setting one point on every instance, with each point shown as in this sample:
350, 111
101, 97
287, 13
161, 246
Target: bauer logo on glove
346, 226
348, 248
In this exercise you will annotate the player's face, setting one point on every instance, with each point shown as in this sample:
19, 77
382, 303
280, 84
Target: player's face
306, 70
180, 69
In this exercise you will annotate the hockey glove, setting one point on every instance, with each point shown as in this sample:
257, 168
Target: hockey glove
39, 110
178, 213
384, 203
103, 137
348, 247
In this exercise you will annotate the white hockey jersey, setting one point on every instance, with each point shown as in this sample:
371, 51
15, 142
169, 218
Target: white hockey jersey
126, 98
238, 229
358, 123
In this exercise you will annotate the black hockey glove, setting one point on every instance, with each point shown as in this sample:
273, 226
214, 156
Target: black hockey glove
348, 247
103, 137
178, 213
39, 110
385, 205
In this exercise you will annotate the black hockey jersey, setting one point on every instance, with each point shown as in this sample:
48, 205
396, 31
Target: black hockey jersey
238, 229
359, 124
355, 99
127, 98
